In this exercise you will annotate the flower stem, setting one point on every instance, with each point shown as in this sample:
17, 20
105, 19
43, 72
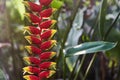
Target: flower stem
112, 25
83, 58
72, 73
89, 66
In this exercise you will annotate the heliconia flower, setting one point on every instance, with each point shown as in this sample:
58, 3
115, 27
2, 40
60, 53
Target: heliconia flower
46, 74
31, 60
31, 77
47, 55
47, 24
32, 30
32, 6
33, 40
33, 18
48, 65
45, 2
31, 70
33, 49
39, 36
47, 12
48, 34
48, 44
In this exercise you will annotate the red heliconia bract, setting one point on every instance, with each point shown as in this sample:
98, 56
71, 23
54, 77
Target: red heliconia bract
33, 49
33, 40
47, 65
32, 6
47, 44
47, 12
47, 55
48, 34
47, 24
33, 18
32, 30
45, 2
46, 74
31, 70
31, 77
32, 60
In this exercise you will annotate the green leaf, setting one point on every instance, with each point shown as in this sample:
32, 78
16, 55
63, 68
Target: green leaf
102, 15
56, 4
20, 7
89, 47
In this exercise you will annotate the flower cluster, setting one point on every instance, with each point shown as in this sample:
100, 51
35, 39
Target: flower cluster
39, 37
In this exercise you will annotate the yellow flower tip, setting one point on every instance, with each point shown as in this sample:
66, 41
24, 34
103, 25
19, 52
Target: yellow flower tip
26, 29
25, 3
54, 42
28, 48
27, 14
54, 9
27, 69
26, 77
54, 31
51, 73
53, 54
27, 59
28, 38
54, 21
53, 65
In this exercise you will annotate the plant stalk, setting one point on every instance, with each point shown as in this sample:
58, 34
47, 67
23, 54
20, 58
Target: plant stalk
80, 66
72, 73
112, 25
89, 66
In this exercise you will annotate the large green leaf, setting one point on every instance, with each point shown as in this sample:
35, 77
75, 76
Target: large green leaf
89, 47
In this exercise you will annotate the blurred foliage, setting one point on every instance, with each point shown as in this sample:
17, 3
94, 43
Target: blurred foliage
56, 4
11, 38
1, 75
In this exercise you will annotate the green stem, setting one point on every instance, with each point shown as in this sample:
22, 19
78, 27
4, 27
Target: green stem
59, 38
83, 58
114, 22
94, 25
89, 66
118, 74
64, 68
72, 73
